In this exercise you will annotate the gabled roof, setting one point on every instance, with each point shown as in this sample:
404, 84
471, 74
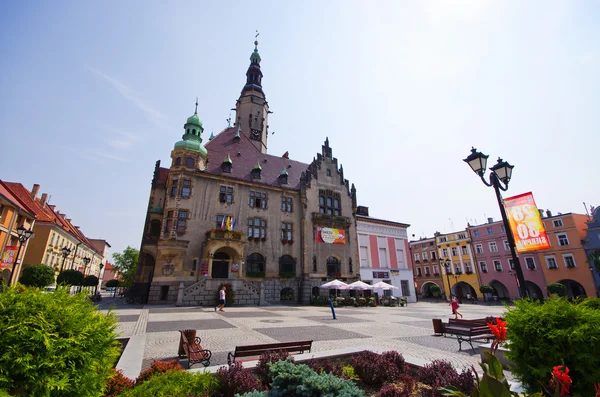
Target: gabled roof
9, 196
244, 157
46, 213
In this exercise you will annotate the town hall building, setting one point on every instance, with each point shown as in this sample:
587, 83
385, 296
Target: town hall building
227, 212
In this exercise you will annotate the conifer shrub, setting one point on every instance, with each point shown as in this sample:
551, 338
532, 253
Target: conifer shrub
267, 358
39, 276
54, 344
440, 373
235, 379
175, 383
158, 368
556, 332
117, 384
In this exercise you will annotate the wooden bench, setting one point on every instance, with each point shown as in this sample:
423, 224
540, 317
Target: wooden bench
465, 330
194, 351
255, 351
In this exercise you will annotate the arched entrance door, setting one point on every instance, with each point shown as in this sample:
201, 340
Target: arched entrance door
425, 289
220, 265
461, 289
533, 291
574, 289
500, 289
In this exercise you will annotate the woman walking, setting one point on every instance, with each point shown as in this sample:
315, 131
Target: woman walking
454, 304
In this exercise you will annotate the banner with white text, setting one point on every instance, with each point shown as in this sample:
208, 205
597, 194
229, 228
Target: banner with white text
331, 236
526, 223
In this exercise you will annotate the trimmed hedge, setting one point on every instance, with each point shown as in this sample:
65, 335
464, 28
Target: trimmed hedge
39, 276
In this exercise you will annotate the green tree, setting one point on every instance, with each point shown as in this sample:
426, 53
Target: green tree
91, 281
126, 264
594, 259
70, 277
55, 344
37, 276
556, 289
112, 283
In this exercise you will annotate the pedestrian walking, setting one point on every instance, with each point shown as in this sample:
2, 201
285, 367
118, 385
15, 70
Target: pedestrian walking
454, 304
221, 304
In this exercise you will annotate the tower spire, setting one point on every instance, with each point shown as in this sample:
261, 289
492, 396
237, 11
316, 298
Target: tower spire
196, 110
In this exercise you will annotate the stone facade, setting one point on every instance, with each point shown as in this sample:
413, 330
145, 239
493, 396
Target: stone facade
228, 212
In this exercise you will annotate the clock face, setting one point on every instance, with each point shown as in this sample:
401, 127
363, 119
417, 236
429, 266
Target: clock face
255, 134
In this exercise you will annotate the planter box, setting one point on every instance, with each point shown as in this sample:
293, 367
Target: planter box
500, 355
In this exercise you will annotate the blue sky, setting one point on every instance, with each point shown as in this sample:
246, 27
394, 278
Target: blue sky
93, 93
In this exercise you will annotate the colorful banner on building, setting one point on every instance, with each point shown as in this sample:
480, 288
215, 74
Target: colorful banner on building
8, 258
525, 223
331, 236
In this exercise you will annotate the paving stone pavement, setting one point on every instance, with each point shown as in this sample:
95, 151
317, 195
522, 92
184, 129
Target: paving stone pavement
405, 329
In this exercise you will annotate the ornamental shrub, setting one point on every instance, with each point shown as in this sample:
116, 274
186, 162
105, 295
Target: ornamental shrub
91, 281
556, 332
592, 303
556, 288
54, 344
235, 379
348, 372
117, 384
39, 276
374, 369
265, 359
440, 373
404, 387
396, 359
112, 283
158, 368
325, 366
175, 383
291, 379
70, 277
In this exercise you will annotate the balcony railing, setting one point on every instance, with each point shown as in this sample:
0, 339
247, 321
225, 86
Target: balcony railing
469, 271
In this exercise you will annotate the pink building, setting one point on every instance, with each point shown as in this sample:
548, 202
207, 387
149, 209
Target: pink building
495, 265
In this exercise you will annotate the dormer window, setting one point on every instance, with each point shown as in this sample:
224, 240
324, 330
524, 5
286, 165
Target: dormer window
226, 165
283, 177
255, 174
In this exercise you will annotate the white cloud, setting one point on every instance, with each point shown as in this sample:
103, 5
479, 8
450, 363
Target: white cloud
111, 156
129, 93
125, 141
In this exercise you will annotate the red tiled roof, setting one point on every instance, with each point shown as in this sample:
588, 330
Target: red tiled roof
13, 199
46, 213
244, 156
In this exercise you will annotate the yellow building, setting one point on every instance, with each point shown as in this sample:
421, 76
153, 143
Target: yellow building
13, 216
456, 260
57, 242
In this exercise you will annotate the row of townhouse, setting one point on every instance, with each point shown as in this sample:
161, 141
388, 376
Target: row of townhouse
55, 241
460, 262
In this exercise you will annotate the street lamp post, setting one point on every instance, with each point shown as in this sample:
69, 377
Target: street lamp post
24, 235
514, 274
499, 178
65, 252
446, 264
86, 261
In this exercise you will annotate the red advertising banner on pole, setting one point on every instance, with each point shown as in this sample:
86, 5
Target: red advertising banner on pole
526, 223
9, 256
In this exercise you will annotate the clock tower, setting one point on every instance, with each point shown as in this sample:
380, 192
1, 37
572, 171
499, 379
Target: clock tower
252, 108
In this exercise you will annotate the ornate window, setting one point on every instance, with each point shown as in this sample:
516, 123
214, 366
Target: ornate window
226, 194
257, 228
329, 203
169, 221
287, 232
287, 266
255, 265
287, 204
174, 187
178, 161
258, 200
182, 216
334, 267
189, 162
186, 190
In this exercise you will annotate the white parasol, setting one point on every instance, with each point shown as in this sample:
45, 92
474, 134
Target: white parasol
335, 284
359, 285
383, 285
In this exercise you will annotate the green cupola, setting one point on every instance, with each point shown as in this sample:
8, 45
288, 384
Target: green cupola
192, 137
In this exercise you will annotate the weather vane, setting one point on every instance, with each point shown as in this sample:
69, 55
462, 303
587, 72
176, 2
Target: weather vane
257, 33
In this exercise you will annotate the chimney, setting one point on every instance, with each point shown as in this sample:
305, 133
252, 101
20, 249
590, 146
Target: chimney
35, 190
44, 199
490, 220
541, 213
548, 213
362, 210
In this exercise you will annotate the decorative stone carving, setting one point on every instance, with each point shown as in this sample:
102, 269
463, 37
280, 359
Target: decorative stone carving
168, 269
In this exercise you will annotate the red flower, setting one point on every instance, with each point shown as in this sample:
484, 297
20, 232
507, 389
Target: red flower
562, 379
498, 329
